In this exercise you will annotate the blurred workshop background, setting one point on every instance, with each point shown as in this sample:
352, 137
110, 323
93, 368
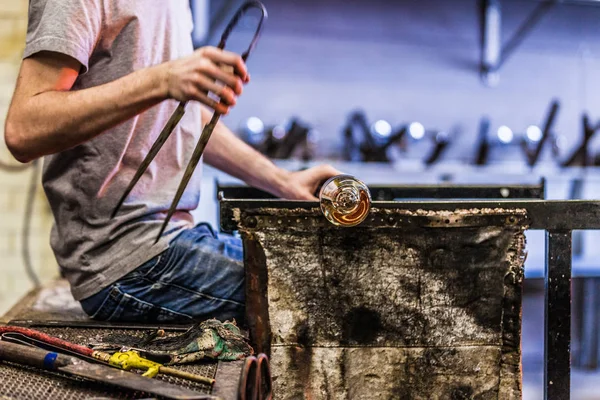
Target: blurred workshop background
395, 92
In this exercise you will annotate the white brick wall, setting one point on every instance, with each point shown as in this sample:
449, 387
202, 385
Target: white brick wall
15, 186
13, 8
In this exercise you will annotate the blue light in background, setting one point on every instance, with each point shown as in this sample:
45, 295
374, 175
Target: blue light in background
534, 133
416, 130
505, 134
382, 128
278, 132
255, 125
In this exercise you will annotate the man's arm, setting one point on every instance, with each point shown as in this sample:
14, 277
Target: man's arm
225, 151
46, 117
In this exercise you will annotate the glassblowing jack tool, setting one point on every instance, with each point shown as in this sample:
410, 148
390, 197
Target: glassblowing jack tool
208, 128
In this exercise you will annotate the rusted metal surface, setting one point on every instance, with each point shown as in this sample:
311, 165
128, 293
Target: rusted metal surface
541, 214
257, 315
414, 304
304, 219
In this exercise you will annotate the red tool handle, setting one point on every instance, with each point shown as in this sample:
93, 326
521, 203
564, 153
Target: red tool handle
47, 339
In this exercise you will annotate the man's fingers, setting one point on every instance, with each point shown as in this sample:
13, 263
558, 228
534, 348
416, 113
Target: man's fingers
223, 92
227, 57
324, 172
320, 174
305, 195
233, 81
203, 98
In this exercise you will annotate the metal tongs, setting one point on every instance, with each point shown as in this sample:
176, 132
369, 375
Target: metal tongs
206, 131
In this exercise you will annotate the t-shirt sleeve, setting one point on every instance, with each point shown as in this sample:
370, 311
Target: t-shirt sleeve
70, 27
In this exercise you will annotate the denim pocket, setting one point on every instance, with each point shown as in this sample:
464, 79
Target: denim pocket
107, 306
132, 309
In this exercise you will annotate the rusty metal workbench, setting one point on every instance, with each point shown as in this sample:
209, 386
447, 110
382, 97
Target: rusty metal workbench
320, 246
52, 310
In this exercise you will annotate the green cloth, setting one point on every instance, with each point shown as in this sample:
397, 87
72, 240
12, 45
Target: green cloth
211, 339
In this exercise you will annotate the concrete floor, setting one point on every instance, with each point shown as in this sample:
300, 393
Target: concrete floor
585, 385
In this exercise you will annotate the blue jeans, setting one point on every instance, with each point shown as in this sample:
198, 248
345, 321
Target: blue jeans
200, 276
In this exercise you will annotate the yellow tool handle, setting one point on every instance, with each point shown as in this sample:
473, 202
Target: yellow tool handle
131, 359
185, 375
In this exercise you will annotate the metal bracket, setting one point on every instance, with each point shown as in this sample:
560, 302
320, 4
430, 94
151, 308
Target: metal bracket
493, 53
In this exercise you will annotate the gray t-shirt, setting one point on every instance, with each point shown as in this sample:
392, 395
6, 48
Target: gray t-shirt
112, 38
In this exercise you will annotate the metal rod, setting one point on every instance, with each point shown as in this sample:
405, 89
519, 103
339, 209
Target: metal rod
557, 318
580, 155
189, 171
392, 192
491, 39
160, 141
483, 147
533, 157
186, 375
493, 54
526, 27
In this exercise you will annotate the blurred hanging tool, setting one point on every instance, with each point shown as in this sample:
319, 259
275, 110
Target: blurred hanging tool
442, 141
422, 139
290, 139
531, 141
503, 139
208, 128
376, 139
298, 136
379, 137
581, 155
580, 158
532, 154
483, 146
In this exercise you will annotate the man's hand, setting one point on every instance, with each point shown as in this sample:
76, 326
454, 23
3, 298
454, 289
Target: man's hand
302, 185
208, 69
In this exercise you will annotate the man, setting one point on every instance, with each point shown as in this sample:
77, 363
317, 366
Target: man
98, 81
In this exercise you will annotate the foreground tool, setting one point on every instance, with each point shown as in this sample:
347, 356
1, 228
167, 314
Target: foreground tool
208, 128
255, 379
26, 355
126, 360
249, 380
265, 389
123, 360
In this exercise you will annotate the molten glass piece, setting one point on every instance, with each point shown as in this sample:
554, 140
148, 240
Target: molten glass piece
345, 200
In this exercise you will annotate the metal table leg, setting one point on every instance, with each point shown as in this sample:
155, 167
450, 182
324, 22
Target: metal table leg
557, 365
590, 349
